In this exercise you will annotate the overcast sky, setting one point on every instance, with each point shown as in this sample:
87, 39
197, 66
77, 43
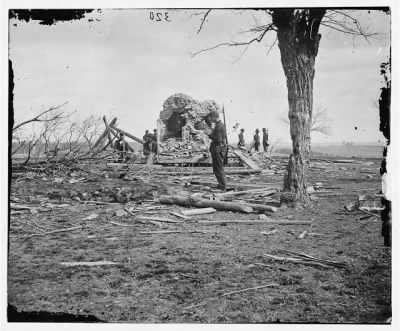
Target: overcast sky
124, 64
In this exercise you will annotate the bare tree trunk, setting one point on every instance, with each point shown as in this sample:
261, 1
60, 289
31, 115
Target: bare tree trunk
298, 40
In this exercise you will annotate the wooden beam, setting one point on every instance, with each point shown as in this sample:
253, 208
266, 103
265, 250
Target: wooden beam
104, 134
140, 141
247, 161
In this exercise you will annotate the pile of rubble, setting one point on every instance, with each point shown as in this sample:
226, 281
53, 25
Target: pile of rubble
183, 123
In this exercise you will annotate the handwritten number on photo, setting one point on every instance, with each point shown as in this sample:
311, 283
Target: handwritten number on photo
158, 17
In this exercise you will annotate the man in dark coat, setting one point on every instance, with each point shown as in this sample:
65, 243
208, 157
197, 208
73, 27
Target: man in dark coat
154, 145
265, 140
122, 146
241, 142
218, 149
146, 145
257, 141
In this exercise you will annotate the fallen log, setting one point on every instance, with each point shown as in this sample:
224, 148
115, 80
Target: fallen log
278, 222
200, 211
140, 141
219, 205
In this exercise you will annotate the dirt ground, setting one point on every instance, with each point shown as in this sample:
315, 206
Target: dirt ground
179, 277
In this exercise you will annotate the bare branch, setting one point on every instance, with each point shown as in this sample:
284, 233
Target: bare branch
203, 20
39, 119
258, 39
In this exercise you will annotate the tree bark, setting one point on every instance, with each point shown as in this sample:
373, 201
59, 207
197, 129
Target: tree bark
298, 40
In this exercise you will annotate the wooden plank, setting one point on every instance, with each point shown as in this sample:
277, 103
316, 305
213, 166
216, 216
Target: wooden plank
200, 211
247, 161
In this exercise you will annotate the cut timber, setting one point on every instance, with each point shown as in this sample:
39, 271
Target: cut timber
262, 191
247, 161
200, 211
158, 219
219, 205
140, 141
242, 186
110, 140
104, 134
87, 264
278, 222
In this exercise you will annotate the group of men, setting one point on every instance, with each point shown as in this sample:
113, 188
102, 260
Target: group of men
150, 145
256, 140
150, 142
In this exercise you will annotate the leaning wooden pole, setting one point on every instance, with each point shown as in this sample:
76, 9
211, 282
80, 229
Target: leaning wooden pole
104, 134
140, 141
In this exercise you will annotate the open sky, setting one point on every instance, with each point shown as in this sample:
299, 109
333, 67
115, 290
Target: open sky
121, 63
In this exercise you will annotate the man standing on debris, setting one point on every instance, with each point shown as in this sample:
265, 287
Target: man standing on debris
122, 146
241, 143
218, 148
257, 141
146, 145
265, 140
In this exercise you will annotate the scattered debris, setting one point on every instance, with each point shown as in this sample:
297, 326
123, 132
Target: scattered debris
121, 213
90, 217
302, 235
267, 233
269, 221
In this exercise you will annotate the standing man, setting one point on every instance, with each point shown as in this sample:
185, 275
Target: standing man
146, 145
265, 140
218, 149
257, 141
241, 143
122, 146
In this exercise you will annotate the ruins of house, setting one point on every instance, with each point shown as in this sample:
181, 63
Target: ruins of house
183, 122
182, 135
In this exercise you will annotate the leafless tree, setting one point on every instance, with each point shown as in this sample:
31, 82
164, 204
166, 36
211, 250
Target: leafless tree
320, 121
298, 36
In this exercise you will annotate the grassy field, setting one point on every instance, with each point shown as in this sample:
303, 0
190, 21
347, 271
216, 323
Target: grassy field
160, 277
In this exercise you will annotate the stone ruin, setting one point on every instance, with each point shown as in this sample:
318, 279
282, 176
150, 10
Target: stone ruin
183, 122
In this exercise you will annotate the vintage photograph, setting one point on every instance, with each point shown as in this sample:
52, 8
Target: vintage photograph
199, 165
